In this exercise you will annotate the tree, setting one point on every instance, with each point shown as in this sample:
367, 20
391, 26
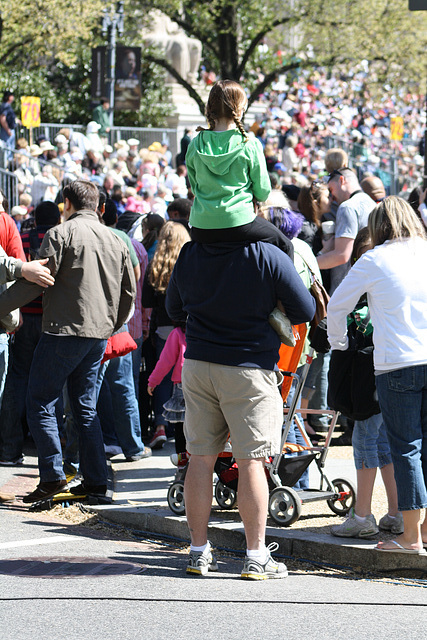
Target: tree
313, 33
45, 50
46, 30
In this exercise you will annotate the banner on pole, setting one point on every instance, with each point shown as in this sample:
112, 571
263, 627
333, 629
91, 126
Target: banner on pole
127, 89
98, 88
396, 128
30, 111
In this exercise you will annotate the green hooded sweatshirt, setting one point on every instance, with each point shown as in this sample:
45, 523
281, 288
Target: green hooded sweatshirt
225, 174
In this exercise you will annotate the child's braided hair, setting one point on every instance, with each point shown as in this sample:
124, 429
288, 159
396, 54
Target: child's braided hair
226, 100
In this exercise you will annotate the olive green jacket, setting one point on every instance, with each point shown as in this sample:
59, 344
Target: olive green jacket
94, 286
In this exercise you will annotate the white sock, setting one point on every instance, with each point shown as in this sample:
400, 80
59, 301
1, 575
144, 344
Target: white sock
202, 549
359, 518
257, 554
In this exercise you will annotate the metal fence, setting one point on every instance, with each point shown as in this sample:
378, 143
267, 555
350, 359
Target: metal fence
9, 186
146, 136
387, 168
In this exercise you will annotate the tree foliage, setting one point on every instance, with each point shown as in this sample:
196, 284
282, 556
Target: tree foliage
45, 50
45, 47
307, 33
40, 31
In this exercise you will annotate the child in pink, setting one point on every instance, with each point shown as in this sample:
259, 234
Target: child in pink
172, 355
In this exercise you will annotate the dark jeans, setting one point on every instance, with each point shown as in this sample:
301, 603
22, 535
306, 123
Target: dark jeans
58, 359
13, 410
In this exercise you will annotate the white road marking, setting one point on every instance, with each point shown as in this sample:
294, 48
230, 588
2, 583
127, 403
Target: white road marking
29, 543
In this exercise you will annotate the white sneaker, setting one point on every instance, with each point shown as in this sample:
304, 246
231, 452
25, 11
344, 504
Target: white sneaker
352, 528
270, 569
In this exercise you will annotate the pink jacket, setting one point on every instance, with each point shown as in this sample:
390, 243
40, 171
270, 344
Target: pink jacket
171, 356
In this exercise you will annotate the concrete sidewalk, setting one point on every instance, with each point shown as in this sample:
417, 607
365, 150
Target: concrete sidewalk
140, 502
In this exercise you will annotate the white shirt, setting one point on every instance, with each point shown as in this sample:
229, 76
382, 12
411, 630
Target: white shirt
423, 210
393, 275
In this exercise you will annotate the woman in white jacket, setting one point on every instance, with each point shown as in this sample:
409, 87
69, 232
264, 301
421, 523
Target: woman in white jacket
393, 275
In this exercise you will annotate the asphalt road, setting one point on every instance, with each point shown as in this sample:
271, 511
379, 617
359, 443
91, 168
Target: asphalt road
161, 602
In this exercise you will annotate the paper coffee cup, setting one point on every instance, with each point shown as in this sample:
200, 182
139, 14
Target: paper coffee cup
328, 228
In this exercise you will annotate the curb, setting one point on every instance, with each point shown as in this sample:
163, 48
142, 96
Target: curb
316, 548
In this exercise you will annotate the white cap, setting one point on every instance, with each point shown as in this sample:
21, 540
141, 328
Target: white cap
76, 155
18, 211
46, 146
93, 127
149, 182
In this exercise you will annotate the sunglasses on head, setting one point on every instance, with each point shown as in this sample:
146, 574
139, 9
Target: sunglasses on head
337, 172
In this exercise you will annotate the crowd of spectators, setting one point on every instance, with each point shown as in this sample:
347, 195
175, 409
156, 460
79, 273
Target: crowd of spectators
303, 118
143, 190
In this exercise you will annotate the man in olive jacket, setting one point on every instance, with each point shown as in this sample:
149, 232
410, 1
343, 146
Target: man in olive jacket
92, 296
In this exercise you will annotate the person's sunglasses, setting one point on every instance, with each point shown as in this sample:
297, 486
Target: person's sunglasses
337, 172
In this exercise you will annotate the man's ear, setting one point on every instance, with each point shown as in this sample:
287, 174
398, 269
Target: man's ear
102, 209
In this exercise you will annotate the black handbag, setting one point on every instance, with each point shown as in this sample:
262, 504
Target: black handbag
351, 378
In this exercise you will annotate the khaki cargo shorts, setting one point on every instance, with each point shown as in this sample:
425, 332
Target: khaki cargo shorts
243, 401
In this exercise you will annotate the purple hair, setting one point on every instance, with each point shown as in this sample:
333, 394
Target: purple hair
289, 222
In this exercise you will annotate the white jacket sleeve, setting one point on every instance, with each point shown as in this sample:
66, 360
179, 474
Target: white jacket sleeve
423, 211
343, 301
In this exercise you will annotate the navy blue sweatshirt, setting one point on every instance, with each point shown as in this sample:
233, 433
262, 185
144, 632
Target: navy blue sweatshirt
228, 291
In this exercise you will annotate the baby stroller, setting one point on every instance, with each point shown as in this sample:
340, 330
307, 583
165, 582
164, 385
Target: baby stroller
284, 469
225, 487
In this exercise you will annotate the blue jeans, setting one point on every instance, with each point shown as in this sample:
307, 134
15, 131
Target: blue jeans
15, 392
58, 359
9, 141
403, 400
371, 449
136, 363
318, 379
118, 381
295, 436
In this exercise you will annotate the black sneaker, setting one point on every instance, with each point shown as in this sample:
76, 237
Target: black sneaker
16, 462
82, 489
45, 490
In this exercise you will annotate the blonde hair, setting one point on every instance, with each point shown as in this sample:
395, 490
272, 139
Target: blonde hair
394, 219
335, 159
25, 199
172, 237
226, 99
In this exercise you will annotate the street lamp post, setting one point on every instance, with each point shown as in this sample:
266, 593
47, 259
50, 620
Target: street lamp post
112, 22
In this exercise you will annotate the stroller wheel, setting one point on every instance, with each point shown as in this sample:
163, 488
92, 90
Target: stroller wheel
284, 506
225, 496
176, 498
346, 496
